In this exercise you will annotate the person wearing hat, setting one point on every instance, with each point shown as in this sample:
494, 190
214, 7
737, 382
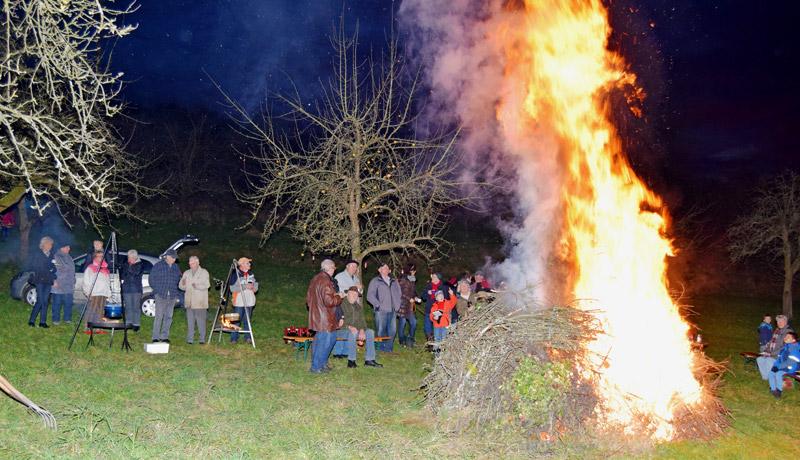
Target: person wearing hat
445, 301
244, 285
354, 328
164, 278
64, 287
428, 297
344, 280
385, 296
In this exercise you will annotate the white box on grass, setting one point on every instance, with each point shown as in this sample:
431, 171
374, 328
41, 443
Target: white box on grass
156, 348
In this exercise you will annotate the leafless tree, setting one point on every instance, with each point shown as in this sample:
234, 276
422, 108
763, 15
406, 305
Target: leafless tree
56, 97
772, 229
352, 178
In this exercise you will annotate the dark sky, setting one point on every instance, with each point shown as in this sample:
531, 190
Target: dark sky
722, 74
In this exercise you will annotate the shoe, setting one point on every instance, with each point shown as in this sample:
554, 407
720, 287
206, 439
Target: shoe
190, 343
234, 341
777, 393
67, 322
372, 364
156, 340
135, 328
44, 325
339, 356
248, 341
31, 324
327, 367
322, 370
56, 323
165, 340
351, 363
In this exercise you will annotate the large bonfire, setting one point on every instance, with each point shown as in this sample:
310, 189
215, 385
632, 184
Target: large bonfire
605, 225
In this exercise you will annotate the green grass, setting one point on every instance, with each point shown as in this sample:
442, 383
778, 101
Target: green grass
224, 401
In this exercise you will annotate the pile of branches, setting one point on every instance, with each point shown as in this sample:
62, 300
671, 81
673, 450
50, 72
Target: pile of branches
482, 350
481, 353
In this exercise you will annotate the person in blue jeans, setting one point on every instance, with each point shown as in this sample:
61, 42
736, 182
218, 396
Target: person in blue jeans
64, 286
408, 306
787, 363
323, 300
244, 286
385, 296
43, 279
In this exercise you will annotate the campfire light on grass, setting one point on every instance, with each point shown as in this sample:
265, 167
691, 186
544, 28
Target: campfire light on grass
558, 74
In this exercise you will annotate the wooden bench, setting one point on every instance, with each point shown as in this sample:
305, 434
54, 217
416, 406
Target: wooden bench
378, 341
789, 377
750, 357
305, 343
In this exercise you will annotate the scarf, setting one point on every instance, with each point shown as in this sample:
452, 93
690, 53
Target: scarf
103, 267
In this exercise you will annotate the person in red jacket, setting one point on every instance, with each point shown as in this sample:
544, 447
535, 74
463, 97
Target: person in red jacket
440, 315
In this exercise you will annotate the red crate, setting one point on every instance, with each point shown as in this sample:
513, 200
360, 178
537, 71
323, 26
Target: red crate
295, 332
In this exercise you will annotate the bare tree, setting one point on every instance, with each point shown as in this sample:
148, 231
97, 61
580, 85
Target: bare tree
772, 229
352, 178
56, 97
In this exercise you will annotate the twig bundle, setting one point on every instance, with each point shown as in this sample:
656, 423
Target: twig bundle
482, 351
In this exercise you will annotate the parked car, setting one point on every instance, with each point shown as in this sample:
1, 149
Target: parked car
21, 289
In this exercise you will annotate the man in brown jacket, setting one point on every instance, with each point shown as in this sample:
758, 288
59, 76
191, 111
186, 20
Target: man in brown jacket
322, 301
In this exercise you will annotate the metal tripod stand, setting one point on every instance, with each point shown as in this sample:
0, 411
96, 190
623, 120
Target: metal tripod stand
222, 322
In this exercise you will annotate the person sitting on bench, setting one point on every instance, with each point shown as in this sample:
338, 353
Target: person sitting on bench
770, 355
787, 363
354, 327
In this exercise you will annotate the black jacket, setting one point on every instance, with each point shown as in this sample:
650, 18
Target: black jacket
131, 275
44, 270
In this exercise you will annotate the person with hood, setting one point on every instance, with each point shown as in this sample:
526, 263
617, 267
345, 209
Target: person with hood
244, 285
195, 282
97, 288
64, 287
383, 293
408, 306
323, 300
429, 298
445, 301
43, 280
131, 276
164, 279
788, 362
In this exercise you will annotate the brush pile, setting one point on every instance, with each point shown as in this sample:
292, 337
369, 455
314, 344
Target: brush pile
514, 365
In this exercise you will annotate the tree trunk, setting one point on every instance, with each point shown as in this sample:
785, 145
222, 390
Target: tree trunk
25, 224
787, 295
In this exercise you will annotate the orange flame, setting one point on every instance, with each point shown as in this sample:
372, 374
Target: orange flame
558, 72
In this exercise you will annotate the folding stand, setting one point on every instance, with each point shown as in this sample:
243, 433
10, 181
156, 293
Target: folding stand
222, 309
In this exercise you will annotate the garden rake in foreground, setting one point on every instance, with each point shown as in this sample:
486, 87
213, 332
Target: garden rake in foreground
47, 417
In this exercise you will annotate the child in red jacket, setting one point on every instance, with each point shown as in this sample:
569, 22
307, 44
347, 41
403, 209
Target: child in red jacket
440, 315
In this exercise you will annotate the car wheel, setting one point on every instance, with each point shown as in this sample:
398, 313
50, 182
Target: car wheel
29, 295
148, 306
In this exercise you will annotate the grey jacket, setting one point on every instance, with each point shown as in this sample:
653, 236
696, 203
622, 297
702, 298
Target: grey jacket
384, 296
65, 273
775, 345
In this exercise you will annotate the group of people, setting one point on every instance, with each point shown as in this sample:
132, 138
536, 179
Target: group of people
54, 273
336, 315
780, 352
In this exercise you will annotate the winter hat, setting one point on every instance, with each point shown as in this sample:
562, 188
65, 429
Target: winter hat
438, 275
171, 253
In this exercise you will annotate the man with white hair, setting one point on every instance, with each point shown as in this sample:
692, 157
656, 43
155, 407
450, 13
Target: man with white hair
322, 300
773, 349
195, 281
43, 279
131, 276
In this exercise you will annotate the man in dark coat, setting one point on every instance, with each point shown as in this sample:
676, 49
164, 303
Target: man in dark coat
43, 279
164, 278
322, 300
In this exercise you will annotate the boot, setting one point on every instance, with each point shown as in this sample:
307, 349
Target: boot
429, 337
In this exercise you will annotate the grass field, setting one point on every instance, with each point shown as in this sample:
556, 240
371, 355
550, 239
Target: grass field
223, 401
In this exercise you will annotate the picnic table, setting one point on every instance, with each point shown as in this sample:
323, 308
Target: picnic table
304, 342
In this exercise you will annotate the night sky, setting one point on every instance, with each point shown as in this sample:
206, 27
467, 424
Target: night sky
722, 75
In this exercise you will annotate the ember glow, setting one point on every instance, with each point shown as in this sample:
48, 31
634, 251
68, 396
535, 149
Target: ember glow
557, 74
